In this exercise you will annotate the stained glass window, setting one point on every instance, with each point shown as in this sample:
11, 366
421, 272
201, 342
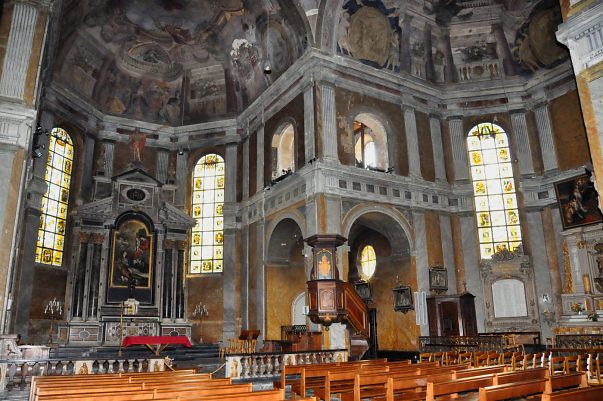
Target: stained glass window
368, 262
207, 243
51, 231
493, 189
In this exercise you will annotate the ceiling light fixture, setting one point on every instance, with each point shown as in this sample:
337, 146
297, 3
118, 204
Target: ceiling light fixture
267, 68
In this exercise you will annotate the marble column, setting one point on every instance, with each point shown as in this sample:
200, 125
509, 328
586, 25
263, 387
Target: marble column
259, 162
437, 147
459, 148
230, 226
181, 176
18, 50
412, 142
472, 272
109, 154
163, 158
522, 140
421, 259
545, 136
309, 137
448, 251
329, 122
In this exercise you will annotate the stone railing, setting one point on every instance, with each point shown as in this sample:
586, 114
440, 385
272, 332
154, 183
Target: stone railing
262, 364
18, 372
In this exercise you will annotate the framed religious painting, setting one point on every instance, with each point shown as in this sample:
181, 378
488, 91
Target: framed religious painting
402, 298
438, 279
131, 255
578, 204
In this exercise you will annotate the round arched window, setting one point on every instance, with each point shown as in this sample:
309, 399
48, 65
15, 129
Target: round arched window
368, 262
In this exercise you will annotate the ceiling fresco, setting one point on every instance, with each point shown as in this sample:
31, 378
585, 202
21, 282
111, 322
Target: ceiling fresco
180, 62
175, 62
472, 40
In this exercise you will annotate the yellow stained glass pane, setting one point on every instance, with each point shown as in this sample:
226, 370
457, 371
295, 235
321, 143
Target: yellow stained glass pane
508, 185
219, 209
486, 250
501, 140
195, 267
510, 201
483, 219
512, 217
479, 187
218, 265
501, 246
218, 223
219, 238
503, 155
485, 234
475, 157
514, 233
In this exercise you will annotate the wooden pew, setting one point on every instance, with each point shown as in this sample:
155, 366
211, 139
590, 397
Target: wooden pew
175, 390
594, 393
438, 389
480, 371
522, 375
77, 393
512, 390
568, 380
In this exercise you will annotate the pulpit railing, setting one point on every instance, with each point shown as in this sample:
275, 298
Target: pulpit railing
18, 372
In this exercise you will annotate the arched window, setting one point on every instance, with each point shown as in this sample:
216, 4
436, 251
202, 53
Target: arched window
370, 143
207, 244
283, 147
368, 262
493, 189
53, 221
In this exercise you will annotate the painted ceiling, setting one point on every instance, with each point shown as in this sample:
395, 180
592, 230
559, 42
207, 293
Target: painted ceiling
179, 62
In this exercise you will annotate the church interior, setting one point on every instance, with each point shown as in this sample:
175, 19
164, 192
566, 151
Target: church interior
373, 176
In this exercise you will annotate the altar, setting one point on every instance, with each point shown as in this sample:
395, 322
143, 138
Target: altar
131, 249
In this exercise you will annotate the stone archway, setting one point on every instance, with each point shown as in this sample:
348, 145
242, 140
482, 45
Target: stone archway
386, 231
285, 275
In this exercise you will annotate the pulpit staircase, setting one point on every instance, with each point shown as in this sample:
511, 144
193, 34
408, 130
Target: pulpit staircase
336, 301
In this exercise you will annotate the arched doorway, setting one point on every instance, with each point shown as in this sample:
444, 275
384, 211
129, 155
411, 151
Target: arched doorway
285, 276
380, 253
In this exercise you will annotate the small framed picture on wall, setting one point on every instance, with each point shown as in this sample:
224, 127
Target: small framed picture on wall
438, 279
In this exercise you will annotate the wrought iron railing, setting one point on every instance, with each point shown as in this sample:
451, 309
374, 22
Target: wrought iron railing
461, 343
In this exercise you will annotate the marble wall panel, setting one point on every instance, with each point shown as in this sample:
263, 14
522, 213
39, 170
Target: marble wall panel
207, 289
569, 133
283, 285
425, 146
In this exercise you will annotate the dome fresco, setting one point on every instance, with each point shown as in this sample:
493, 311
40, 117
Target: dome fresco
175, 62
182, 62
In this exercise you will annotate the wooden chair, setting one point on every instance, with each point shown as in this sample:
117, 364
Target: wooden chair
571, 364
480, 359
425, 357
506, 358
517, 361
438, 357
451, 358
465, 357
493, 358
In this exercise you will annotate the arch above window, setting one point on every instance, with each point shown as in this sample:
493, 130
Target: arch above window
370, 142
494, 189
368, 262
207, 242
55, 202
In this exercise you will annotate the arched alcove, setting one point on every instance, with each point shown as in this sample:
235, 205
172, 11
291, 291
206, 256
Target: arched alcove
283, 151
392, 247
284, 275
370, 142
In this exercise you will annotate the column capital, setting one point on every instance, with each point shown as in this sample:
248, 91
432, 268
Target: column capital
455, 117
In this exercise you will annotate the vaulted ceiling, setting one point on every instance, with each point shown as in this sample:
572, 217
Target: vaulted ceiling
178, 62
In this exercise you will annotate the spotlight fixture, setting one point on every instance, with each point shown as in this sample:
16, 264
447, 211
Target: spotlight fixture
181, 151
37, 148
267, 68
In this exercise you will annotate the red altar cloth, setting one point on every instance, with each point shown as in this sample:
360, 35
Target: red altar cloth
162, 341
